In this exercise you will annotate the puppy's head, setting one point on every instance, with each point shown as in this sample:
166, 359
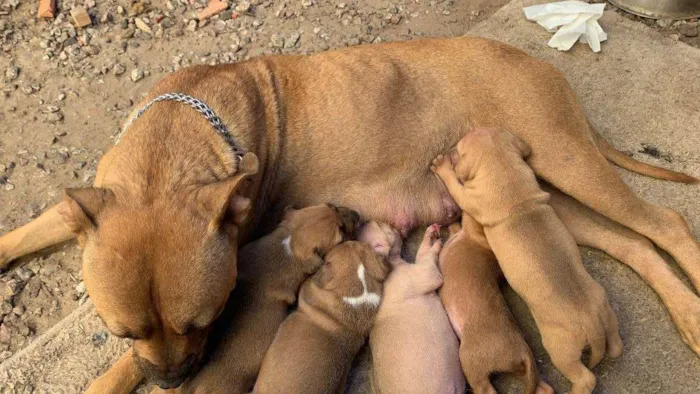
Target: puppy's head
160, 271
315, 230
355, 273
384, 239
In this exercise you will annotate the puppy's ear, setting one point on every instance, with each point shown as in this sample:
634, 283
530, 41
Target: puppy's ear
82, 206
216, 199
517, 143
376, 266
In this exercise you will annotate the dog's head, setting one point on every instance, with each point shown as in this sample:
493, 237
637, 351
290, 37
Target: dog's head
354, 272
315, 230
160, 272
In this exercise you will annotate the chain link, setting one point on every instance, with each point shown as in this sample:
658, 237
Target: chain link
198, 105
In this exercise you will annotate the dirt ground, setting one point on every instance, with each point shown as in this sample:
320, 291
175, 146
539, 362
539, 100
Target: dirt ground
66, 91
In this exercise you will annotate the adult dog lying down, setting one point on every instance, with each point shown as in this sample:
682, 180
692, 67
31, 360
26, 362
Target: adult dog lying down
358, 128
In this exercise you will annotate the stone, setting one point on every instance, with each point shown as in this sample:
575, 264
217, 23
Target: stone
12, 73
277, 41
13, 286
80, 288
141, 25
214, 7
80, 17
136, 74
54, 117
292, 40
47, 9
689, 30
99, 338
118, 69
243, 6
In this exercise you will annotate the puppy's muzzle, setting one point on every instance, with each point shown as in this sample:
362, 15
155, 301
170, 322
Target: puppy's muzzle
168, 378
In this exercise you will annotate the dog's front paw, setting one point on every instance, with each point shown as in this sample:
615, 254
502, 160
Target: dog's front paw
686, 316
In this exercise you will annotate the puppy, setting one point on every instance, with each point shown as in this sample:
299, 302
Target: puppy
314, 348
271, 271
489, 339
414, 349
538, 256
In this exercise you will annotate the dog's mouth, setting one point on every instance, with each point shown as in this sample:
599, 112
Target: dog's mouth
169, 379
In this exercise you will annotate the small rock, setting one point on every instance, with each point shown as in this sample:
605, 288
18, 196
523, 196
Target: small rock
49, 109
23, 329
137, 9
243, 6
80, 288
292, 40
4, 334
142, 26
80, 17
18, 310
5, 308
118, 69
192, 25
8, 186
689, 30
5, 355
277, 40
99, 338
61, 97
136, 74
120, 10
54, 117
664, 23
12, 73
13, 286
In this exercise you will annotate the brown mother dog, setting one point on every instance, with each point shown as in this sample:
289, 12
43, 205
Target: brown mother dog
160, 226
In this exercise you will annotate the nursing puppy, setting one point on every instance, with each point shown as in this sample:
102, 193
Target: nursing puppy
314, 348
270, 273
490, 341
538, 256
414, 349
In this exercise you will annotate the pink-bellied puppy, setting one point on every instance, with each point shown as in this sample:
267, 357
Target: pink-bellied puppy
414, 349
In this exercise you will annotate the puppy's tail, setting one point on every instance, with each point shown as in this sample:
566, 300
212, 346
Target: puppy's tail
631, 164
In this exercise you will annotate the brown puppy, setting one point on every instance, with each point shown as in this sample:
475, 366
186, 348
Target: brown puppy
537, 254
155, 194
414, 349
270, 273
315, 346
490, 341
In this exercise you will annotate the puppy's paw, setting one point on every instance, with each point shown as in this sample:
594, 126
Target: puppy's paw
441, 163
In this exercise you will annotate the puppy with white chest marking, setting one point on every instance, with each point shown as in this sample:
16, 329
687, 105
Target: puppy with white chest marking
314, 347
414, 349
270, 273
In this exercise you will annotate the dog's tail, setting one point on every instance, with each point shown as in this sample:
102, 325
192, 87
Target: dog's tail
631, 164
530, 377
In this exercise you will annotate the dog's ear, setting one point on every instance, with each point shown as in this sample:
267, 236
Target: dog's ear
376, 265
82, 206
217, 199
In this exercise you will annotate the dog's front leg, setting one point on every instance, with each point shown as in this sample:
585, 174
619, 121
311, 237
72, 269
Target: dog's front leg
47, 230
122, 377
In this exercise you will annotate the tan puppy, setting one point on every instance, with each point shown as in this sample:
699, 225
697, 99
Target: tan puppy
490, 341
165, 203
271, 271
414, 349
537, 254
315, 346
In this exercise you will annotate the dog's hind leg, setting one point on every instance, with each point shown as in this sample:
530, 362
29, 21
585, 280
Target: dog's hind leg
47, 230
592, 229
576, 167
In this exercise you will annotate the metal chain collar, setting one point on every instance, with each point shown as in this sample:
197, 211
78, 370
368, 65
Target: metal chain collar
197, 105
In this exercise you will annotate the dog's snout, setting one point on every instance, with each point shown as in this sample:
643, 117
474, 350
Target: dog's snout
168, 377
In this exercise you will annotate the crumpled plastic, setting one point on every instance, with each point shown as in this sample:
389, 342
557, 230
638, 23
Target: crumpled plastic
572, 21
